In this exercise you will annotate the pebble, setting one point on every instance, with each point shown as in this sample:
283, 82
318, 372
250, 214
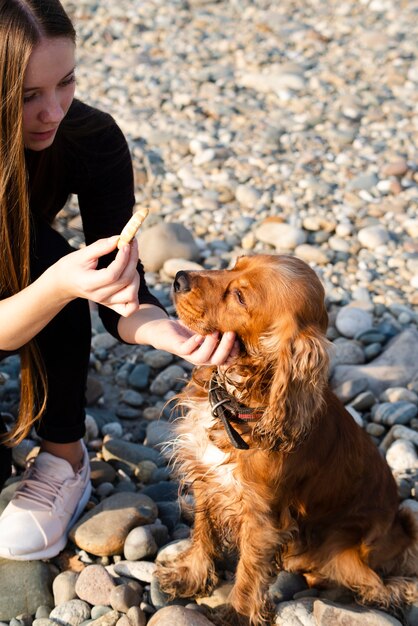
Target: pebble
247, 155
352, 321
94, 585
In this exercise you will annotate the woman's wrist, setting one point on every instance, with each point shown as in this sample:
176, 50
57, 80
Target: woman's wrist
143, 327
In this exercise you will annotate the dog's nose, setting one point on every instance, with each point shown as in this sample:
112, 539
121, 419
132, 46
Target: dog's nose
181, 282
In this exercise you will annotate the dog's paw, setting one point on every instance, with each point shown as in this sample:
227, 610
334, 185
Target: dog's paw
181, 582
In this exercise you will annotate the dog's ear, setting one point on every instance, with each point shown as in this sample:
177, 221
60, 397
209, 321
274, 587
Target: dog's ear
298, 365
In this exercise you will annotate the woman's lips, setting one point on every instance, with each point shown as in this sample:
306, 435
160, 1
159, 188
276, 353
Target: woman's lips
43, 136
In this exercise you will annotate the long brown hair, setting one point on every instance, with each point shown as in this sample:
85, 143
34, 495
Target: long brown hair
23, 23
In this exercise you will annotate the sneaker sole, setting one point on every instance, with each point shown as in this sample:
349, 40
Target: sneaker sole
59, 545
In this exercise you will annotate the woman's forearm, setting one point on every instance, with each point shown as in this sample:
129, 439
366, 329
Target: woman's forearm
25, 314
142, 326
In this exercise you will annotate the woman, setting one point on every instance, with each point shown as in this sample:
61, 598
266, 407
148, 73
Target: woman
52, 145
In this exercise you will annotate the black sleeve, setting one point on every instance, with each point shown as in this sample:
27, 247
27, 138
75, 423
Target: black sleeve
106, 199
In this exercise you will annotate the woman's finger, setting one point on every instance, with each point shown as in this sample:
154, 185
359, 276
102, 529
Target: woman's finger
223, 349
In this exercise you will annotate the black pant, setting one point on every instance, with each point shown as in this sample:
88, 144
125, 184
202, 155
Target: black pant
64, 345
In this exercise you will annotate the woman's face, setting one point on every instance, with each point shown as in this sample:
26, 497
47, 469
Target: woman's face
49, 86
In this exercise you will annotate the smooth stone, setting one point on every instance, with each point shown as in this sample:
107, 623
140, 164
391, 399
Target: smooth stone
346, 351
63, 587
364, 181
71, 613
108, 619
172, 550
296, 613
329, 614
402, 455
140, 544
372, 350
159, 433
178, 616
140, 570
101, 472
163, 491
247, 196
311, 254
113, 429
94, 585
168, 379
285, 586
139, 376
166, 240
132, 397
136, 616
125, 596
370, 336
398, 394
99, 610
390, 413
351, 321
130, 453
363, 401
371, 237
396, 366
158, 358
172, 266
33, 579
350, 389
280, 235
103, 530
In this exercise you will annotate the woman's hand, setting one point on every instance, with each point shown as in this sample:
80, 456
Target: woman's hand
213, 349
172, 336
115, 286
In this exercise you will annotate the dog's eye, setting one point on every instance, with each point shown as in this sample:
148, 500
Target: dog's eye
239, 296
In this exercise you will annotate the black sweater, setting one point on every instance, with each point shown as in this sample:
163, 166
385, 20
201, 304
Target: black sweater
89, 158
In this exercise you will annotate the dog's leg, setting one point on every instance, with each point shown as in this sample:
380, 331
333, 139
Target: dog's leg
193, 572
258, 545
349, 570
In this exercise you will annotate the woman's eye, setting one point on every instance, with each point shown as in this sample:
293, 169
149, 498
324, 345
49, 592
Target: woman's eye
68, 81
28, 97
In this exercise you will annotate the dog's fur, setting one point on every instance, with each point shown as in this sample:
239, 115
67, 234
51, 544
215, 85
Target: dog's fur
312, 494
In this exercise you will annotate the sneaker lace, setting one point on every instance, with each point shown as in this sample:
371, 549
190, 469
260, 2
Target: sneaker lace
40, 487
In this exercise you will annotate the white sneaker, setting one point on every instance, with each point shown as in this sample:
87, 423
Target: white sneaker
48, 501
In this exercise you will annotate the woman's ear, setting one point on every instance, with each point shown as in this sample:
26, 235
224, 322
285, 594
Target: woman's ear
300, 374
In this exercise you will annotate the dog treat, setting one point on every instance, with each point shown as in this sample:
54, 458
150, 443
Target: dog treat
132, 227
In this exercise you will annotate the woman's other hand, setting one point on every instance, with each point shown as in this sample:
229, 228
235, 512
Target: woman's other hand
115, 286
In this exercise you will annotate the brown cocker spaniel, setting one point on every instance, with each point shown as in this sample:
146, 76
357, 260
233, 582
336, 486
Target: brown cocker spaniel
280, 471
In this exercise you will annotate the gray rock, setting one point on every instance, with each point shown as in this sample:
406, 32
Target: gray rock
94, 585
166, 241
140, 570
129, 453
350, 389
372, 237
402, 455
103, 530
178, 615
32, 580
297, 613
140, 544
285, 586
63, 587
139, 376
71, 613
168, 379
280, 235
125, 596
329, 614
390, 413
352, 321
395, 367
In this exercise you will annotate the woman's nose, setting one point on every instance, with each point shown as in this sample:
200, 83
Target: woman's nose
52, 112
